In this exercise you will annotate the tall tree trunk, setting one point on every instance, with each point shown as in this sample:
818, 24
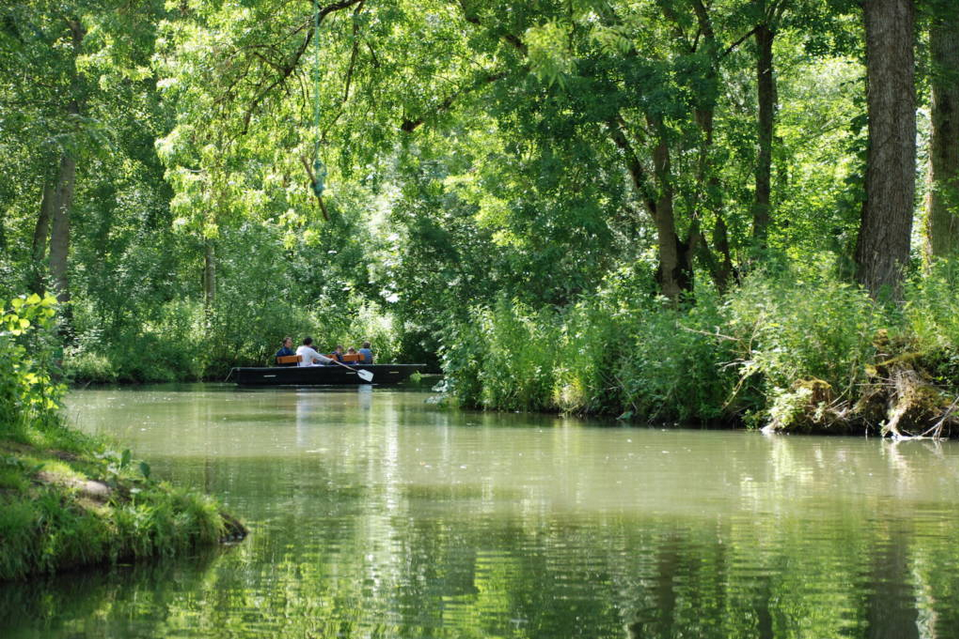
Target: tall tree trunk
60, 233
708, 188
719, 265
766, 94
675, 257
65, 190
885, 229
41, 233
209, 277
942, 205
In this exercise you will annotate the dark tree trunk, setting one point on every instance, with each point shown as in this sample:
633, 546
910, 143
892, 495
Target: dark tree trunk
675, 257
718, 259
65, 190
41, 233
60, 233
942, 207
209, 277
885, 229
766, 94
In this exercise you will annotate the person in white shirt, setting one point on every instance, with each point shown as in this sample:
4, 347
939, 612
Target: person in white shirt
308, 356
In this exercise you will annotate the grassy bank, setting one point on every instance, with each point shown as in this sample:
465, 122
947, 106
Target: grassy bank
67, 499
779, 351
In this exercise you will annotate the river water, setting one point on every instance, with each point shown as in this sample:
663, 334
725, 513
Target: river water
374, 513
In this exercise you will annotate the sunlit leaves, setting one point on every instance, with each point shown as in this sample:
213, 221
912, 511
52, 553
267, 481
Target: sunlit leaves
27, 389
549, 52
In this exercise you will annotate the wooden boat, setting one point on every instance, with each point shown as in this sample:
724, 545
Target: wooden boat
323, 375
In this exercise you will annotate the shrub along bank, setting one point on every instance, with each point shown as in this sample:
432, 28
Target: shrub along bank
66, 499
777, 352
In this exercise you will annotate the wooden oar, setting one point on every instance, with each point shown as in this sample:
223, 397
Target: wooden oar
366, 376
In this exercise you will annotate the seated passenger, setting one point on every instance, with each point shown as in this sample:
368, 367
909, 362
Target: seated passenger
337, 353
285, 350
309, 356
366, 353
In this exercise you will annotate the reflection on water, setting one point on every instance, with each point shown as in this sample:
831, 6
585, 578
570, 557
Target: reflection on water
374, 514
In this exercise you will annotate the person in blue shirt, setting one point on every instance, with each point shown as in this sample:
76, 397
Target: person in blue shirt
366, 353
286, 349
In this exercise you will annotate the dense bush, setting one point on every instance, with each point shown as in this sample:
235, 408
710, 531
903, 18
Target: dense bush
762, 352
932, 308
610, 353
503, 358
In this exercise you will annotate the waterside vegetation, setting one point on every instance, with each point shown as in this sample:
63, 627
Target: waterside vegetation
67, 499
815, 355
663, 210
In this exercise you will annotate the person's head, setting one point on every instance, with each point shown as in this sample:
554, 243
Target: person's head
339, 348
307, 341
287, 342
366, 344
351, 350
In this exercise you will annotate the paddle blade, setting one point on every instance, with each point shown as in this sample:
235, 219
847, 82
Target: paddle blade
366, 376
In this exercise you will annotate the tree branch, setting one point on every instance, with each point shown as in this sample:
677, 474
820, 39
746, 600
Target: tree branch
507, 37
735, 44
408, 125
636, 170
356, 45
287, 69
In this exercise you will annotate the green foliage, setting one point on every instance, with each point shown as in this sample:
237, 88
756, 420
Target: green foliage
66, 501
486, 203
741, 356
29, 396
787, 329
50, 518
932, 308
673, 366
612, 353
514, 377
485, 368
52, 530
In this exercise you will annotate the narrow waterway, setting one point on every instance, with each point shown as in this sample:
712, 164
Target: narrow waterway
374, 513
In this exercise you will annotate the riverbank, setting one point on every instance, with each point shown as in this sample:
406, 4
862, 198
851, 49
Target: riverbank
782, 351
68, 499
777, 352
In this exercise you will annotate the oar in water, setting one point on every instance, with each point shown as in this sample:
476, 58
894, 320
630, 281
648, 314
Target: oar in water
366, 376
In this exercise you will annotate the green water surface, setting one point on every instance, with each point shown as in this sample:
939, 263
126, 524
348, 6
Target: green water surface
376, 514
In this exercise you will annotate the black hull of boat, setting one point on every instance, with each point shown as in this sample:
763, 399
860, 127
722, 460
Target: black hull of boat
323, 375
